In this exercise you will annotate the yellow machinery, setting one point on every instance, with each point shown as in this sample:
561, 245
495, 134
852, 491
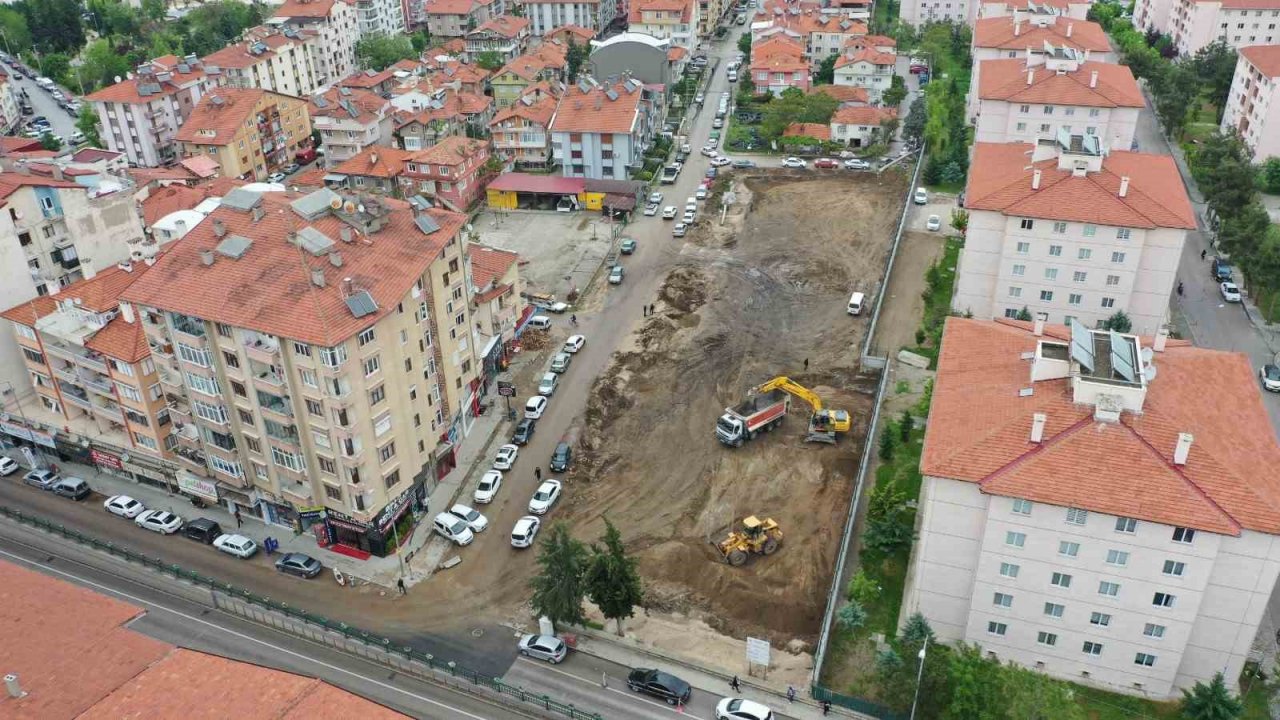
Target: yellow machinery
757, 537
823, 423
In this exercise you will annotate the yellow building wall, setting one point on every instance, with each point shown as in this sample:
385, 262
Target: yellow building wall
592, 200
502, 199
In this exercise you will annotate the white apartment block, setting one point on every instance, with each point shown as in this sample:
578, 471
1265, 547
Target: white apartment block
866, 68
1194, 24
1017, 101
1253, 105
270, 58
547, 15
140, 115
1075, 9
1111, 525
1034, 36
602, 131
350, 120
1066, 229
335, 23
674, 20
380, 17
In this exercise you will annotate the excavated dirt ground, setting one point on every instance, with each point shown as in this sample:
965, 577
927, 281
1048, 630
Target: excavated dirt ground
746, 302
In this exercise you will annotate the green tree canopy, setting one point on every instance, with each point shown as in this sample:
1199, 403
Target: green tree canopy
975, 685
826, 74
576, 58
14, 26
101, 64
378, 52
87, 123
489, 60
1211, 702
613, 579
558, 588
1119, 321
55, 25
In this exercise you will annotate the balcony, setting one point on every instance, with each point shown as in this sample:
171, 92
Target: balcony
267, 378
299, 491
193, 458
110, 412
102, 386
262, 348
169, 378
78, 398
279, 409
191, 328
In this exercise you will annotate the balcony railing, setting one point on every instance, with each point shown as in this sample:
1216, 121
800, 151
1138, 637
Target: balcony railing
262, 350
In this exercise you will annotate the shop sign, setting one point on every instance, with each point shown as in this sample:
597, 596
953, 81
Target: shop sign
347, 520
394, 510
106, 460
146, 472
200, 487
35, 436
506, 389
311, 513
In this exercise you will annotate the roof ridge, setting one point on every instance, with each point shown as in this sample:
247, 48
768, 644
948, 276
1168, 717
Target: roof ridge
1130, 190
1036, 451
1178, 471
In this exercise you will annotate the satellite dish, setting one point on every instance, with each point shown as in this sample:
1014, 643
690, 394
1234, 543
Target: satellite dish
1147, 354
349, 207
360, 207
1149, 373
335, 203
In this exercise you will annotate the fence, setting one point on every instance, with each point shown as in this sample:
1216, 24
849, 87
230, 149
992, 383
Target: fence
319, 629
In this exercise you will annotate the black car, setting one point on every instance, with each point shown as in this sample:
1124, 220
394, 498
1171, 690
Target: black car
524, 431
660, 685
1221, 270
300, 565
561, 457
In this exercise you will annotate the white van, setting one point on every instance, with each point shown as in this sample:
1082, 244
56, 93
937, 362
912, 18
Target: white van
539, 322
855, 303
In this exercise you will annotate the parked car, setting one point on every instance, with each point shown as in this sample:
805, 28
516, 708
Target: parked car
934, 223
615, 275
453, 529
470, 516
238, 545
742, 164
660, 685
72, 487
793, 162
1270, 375
290, 169
669, 212
161, 521
41, 478
547, 386
628, 246
709, 150
544, 497
701, 193
826, 163
124, 506
679, 230
506, 457
8, 466
560, 362
651, 209
742, 709
921, 197
277, 177
203, 530
856, 164
574, 343
1230, 292
543, 647
524, 432
1221, 269
303, 566
688, 217
525, 530
534, 407
561, 457
488, 488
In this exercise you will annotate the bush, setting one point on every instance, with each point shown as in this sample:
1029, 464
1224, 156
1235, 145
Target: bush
862, 589
887, 444
643, 176
851, 616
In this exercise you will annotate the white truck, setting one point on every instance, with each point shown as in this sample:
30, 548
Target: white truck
756, 414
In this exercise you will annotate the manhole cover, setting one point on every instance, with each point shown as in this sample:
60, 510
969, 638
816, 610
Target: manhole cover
477, 632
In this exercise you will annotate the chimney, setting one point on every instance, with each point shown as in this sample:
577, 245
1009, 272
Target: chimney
1124, 186
1031, 76
1035, 179
335, 258
126, 312
345, 234
57, 172
347, 286
219, 229
1093, 79
258, 213
1039, 326
317, 277
206, 257
1161, 338
1037, 427
1017, 27
1070, 26
11, 684
1182, 449
86, 268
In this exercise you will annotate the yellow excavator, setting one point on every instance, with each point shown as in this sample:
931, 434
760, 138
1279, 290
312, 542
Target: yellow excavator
824, 423
757, 537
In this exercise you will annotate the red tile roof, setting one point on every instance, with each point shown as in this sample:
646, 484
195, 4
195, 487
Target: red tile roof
540, 112
508, 26
238, 55
126, 91
9, 144
580, 34
367, 78
676, 53
305, 9
813, 130
864, 115
1003, 33
842, 93
778, 54
488, 265
11, 182
1001, 174
639, 7
1006, 79
594, 112
375, 161
202, 166
224, 118
450, 7
979, 431
866, 54
453, 150
1249, 4
233, 291
170, 198
369, 105
1264, 57
124, 341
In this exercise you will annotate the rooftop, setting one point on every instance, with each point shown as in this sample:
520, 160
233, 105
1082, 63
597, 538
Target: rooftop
508, 26
842, 93
1093, 84
452, 150
161, 77
220, 114
375, 161
305, 8
349, 104
488, 265
866, 54
599, 108
863, 115
1008, 33
813, 130
1264, 57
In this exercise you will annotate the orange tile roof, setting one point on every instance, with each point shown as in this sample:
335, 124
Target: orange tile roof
368, 104
582, 35
121, 340
11, 182
638, 8
540, 112
1000, 178
233, 291
842, 93
312, 177
1264, 57
813, 130
864, 115
594, 112
1249, 4
9, 144
1006, 79
202, 166
126, 91
367, 78
979, 431
866, 54
488, 265
375, 161
305, 9
238, 55
170, 198
1001, 32
508, 26
449, 7
676, 53
453, 150
237, 104
780, 54
881, 41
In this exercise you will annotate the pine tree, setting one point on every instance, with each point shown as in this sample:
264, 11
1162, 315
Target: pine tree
612, 580
558, 587
1211, 702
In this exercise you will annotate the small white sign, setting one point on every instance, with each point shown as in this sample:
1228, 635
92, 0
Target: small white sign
758, 651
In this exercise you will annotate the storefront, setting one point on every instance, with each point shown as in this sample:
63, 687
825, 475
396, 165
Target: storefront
393, 526
239, 500
196, 486
493, 361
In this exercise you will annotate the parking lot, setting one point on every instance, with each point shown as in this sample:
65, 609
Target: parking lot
558, 251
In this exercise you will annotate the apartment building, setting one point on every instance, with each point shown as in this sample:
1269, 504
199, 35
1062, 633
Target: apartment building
376, 169
674, 20
140, 115
497, 298
1074, 9
1111, 525
452, 172
456, 18
601, 131
777, 64
444, 113
860, 126
1028, 36
250, 133
335, 23
866, 68
919, 12
349, 121
380, 17
350, 392
546, 15
269, 58
506, 35
10, 112
1193, 24
89, 362
1066, 229
53, 231
1015, 101
570, 34
521, 132
1253, 105
822, 33
546, 63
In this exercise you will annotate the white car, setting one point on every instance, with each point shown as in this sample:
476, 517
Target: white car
124, 506
720, 161
534, 408
921, 197
701, 194
490, 483
506, 457
525, 531
574, 343
1270, 375
856, 164
470, 516
238, 545
689, 216
453, 528
550, 381
651, 209
741, 709
277, 177
669, 212
679, 230
1230, 292
544, 497
709, 150
934, 224
794, 162
655, 198
8, 466
161, 521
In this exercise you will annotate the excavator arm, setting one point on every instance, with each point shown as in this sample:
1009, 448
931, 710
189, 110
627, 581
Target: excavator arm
824, 424
794, 388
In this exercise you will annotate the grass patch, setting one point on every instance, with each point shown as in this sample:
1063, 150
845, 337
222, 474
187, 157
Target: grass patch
954, 188
937, 300
1268, 301
1103, 705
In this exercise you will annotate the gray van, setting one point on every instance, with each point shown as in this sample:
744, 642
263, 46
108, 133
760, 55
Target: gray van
561, 457
72, 487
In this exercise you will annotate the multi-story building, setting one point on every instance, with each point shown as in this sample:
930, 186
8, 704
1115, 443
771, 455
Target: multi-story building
1074, 9
249, 132
674, 20
1014, 101
452, 172
521, 132
1193, 24
860, 126
1110, 525
380, 17
456, 18
335, 24
497, 298
828, 35
546, 63
777, 64
10, 111
140, 115
376, 169
602, 131
1067, 229
89, 362
866, 68
1027, 36
1253, 105
506, 35
546, 15
349, 392
269, 58
444, 113
349, 121
566, 34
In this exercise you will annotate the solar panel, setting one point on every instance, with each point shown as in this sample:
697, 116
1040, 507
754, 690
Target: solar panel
1081, 344
234, 246
314, 241
611, 94
426, 223
1122, 359
361, 304
241, 199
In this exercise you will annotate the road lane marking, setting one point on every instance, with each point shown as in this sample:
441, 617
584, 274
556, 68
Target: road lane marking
592, 683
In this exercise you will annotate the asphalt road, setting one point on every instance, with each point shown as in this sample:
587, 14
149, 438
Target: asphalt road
43, 103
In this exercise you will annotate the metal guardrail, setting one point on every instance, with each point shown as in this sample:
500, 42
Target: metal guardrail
318, 628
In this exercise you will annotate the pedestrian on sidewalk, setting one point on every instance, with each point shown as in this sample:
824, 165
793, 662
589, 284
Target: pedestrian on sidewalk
239, 522
651, 309
737, 686
1203, 253
537, 473
806, 364
791, 694
826, 708
645, 310
400, 586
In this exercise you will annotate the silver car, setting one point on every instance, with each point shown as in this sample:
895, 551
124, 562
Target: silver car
543, 647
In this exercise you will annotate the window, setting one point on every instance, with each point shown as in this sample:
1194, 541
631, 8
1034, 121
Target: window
212, 413
1090, 230
252, 444
1067, 548
1018, 270
286, 459
1123, 233
230, 359
1002, 600
314, 407
1015, 539
1055, 250
365, 337
195, 356
1079, 276
1060, 228
203, 385
1051, 273
1077, 516
1184, 535
1074, 299
1024, 248
1117, 257
377, 395
1108, 302
1061, 580
372, 365
332, 492
1011, 313
226, 467
1047, 638
1054, 610
302, 349
1091, 648
1084, 254
386, 452
1015, 292
1174, 568
327, 465
1024, 108
997, 628
1126, 525
1153, 630
1046, 295
1008, 570
128, 392
1027, 223
1119, 558
308, 377
1022, 507
1021, 127
1113, 280
1144, 659
1100, 619
1108, 588
333, 356
1163, 600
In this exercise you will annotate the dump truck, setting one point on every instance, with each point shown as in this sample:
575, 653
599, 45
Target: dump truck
757, 537
757, 414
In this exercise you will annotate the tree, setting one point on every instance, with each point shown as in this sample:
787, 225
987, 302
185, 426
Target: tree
1224, 170
1215, 67
889, 520
558, 587
14, 26
420, 40
153, 10
489, 60
913, 127
916, 630
863, 589
960, 220
975, 685
894, 96
826, 74
1119, 322
887, 444
1176, 91
1241, 234
744, 45
612, 579
1023, 314
54, 66
49, 141
575, 58
214, 25
378, 52
1271, 176
101, 64
851, 616
1211, 702
55, 25
87, 123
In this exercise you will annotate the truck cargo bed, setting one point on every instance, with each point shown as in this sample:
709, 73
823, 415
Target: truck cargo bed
753, 405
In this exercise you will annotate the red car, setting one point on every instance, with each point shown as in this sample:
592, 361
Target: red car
825, 163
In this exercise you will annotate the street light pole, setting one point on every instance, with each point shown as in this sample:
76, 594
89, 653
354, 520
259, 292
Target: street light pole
919, 676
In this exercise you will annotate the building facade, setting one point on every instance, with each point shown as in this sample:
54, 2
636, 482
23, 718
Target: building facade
602, 131
140, 115
380, 17
521, 132
506, 35
860, 126
545, 15
349, 121
866, 68
270, 58
1193, 24
498, 296
674, 20
250, 133
777, 64
336, 26
456, 18
1253, 105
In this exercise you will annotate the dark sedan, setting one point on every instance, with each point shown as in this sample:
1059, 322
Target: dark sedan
524, 431
299, 564
660, 685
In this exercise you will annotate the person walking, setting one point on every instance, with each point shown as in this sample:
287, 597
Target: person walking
1203, 253
239, 522
400, 586
644, 309
651, 309
826, 708
791, 694
806, 364
537, 472
737, 686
